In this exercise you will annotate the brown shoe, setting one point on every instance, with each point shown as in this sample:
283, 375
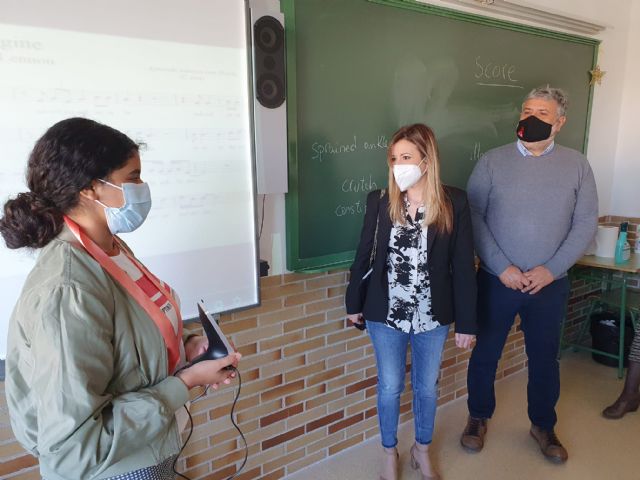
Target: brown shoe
622, 406
549, 444
473, 436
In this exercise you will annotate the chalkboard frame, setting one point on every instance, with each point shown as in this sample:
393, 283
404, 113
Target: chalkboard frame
339, 260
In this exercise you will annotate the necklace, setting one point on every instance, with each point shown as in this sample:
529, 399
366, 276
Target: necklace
408, 203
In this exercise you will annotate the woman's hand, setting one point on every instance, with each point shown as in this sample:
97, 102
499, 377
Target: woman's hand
195, 346
356, 318
198, 344
464, 340
210, 372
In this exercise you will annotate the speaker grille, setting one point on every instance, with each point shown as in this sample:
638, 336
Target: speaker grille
268, 43
268, 34
270, 90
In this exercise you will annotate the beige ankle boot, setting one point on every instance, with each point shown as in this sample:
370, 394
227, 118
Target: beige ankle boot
420, 460
389, 470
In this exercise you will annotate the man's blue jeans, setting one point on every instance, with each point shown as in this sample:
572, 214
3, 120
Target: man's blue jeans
390, 346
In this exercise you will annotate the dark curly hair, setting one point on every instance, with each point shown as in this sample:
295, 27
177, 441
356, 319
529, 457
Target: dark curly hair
65, 160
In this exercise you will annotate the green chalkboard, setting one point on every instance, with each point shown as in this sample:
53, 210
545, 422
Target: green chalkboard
359, 69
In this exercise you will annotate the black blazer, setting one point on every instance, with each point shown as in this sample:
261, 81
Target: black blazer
450, 261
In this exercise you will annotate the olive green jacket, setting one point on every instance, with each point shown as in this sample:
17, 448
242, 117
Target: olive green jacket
86, 372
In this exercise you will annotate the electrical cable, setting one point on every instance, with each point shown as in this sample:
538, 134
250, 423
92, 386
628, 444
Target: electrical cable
233, 407
244, 440
262, 220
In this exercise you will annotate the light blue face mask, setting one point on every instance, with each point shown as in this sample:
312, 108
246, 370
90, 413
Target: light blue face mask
137, 203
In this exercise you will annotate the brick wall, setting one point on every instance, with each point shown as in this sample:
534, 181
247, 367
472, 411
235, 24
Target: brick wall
308, 386
578, 306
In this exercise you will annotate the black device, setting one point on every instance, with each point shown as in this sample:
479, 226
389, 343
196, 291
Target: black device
219, 346
264, 265
269, 54
360, 326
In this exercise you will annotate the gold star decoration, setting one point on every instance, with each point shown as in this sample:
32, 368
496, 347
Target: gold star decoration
596, 75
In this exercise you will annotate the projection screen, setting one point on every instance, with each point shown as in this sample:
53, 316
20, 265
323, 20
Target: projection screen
172, 75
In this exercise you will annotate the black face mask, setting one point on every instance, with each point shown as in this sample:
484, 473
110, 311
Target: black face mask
532, 129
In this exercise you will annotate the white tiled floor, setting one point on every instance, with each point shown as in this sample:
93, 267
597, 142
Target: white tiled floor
598, 448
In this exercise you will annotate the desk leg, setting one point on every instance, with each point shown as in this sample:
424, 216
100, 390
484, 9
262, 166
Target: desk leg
623, 317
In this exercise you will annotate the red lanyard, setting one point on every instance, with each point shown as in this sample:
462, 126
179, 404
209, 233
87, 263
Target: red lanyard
171, 339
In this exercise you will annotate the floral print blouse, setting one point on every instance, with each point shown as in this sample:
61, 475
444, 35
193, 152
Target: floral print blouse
408, 276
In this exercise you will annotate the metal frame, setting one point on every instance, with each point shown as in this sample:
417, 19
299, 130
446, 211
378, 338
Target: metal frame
614, 297
252, 134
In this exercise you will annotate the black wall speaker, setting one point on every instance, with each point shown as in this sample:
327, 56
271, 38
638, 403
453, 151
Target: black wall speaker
269, 96
269, 61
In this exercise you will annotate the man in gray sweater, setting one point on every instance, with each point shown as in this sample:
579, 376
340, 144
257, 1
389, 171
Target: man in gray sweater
534, 209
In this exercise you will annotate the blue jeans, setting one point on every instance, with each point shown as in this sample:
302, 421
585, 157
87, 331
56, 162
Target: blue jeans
390, 346
541, 316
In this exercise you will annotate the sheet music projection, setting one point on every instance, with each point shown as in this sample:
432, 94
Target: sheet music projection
188, 104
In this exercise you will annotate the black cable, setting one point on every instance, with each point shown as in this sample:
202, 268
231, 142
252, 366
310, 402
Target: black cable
262, 221
244, 440
233, 407
190, 429
175, 460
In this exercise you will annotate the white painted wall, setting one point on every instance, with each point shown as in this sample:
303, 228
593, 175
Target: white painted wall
273, 239
625, 198
613, 142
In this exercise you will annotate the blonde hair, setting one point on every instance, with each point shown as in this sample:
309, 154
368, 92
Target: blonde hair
438, 210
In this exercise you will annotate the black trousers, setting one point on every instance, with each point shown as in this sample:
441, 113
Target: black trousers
541, 315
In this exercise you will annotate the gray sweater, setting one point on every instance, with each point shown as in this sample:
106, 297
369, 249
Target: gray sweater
530, 211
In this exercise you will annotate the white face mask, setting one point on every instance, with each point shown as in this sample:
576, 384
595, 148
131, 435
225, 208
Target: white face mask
407, 175
137, 203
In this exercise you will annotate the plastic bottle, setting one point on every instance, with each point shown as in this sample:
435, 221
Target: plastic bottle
626, 251
621, 243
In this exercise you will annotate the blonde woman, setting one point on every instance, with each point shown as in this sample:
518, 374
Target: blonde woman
422, 280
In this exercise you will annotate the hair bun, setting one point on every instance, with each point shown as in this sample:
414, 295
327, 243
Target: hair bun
29, 221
